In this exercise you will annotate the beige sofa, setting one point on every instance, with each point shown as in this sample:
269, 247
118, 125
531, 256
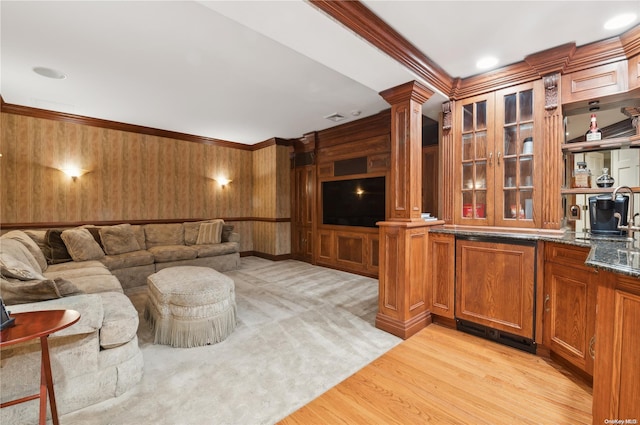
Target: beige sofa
93, 360
85, 269
133, 252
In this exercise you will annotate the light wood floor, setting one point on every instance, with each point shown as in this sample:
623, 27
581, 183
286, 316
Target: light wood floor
444, 376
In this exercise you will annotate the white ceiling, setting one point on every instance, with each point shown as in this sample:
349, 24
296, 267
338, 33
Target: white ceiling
246, 71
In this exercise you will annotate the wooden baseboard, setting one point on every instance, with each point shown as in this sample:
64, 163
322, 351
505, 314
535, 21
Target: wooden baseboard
443, 321
573, 368
403, 329
265, 255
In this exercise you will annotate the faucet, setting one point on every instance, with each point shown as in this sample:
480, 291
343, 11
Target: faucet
630, 227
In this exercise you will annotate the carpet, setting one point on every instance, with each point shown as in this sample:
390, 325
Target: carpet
301, 330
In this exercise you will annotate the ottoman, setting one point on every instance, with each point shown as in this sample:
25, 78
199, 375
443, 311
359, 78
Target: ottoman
190, 306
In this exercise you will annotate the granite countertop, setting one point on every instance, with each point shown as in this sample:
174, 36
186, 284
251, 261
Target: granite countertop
613, 253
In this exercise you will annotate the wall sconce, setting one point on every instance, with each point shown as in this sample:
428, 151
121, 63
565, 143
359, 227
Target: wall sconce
73, 172
222, 181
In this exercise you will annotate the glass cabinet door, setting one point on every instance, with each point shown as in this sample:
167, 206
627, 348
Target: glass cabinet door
515, 164
476, 161
498, 148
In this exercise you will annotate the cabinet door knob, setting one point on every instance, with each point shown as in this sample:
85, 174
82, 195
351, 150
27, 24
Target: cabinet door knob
498, 159
546, 301
490, 159
592, 349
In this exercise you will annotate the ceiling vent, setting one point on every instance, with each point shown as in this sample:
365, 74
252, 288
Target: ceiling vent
335, 117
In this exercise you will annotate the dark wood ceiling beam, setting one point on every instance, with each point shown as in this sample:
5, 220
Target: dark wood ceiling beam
362, 21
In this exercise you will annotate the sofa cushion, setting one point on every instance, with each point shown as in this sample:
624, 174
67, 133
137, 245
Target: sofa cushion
31, 245
17, 262
15, 291
96, 284
164, 234
77, 265
89, 276
128, 259
88, 305
81, 245
227, 231
216, 249
120, 322
138, 231
55, 251
163, 254
118, 239
95, 232
16, 269
191, 229
210, 232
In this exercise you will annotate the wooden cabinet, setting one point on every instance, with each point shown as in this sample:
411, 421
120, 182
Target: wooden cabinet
596, 82
495, 283
498, 146
616, 380
570, 290
355, 251
302, 213
442, 254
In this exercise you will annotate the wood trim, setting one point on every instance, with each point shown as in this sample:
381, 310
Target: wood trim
553, 60
411, 91
353, 131
596, 54
8, 226
404, 328
631, 42
565, 58
358, 18
114, 125
271, 142
501, 78
265, 255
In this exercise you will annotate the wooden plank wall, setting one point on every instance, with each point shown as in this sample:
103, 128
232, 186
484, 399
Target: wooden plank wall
130, 176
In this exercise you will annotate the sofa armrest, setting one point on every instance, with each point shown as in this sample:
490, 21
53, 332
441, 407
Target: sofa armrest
88, 305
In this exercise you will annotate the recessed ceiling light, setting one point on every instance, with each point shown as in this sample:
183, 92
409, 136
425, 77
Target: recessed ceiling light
487, 62
620, 21
49, 73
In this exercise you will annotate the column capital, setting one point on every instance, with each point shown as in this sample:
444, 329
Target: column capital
413, 90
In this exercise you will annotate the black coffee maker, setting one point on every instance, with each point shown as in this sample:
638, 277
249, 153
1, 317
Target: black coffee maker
602, 209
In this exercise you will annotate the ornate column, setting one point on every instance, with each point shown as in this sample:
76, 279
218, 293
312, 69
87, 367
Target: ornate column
553, 165
447, 166
403, 300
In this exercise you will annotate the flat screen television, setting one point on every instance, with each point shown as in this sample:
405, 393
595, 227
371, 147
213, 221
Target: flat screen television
354, 202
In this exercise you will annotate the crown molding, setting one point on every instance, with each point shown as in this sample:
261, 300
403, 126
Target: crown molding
358, 18
274, 141
551, 61
564, 59
631, 42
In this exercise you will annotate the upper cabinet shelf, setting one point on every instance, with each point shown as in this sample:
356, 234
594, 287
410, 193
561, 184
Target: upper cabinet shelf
604, 144
593, 190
